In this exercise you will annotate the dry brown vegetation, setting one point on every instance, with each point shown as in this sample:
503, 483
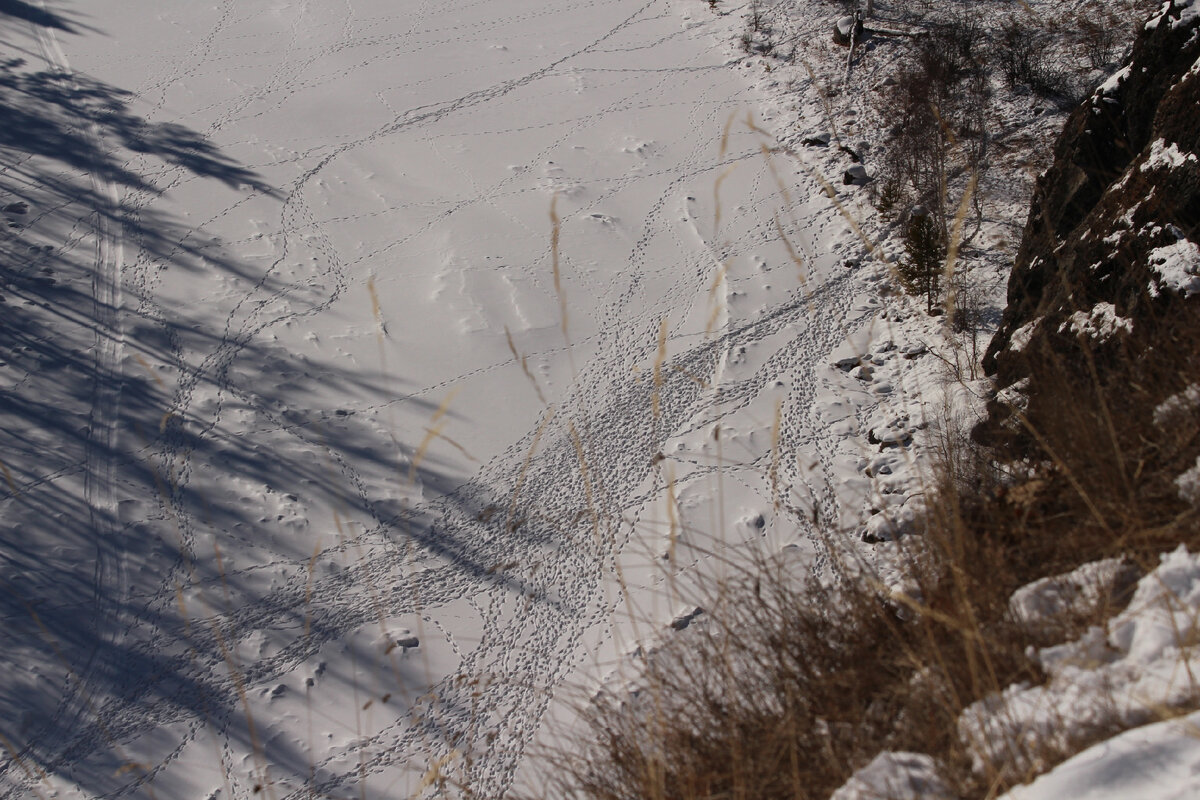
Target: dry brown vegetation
790, 684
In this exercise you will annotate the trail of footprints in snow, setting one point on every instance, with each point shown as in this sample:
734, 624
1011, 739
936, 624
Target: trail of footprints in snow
541, 638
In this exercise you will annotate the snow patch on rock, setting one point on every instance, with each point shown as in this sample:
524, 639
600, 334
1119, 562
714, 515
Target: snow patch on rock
1099, 324
1178, 408
1015, 396
1166, 155
1077, 591
1113, 83
1022, 336
1177, 266
1188, 12
1189, 485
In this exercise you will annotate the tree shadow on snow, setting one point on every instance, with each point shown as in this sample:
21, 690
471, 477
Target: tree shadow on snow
138, 550
19, 10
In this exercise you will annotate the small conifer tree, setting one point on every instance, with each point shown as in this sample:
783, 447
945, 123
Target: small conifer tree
921, 269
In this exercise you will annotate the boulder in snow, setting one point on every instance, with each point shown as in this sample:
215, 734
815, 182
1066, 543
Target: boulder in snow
848, 30
855, 175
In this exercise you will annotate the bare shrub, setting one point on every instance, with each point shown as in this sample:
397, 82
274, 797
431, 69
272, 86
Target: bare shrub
969, 315
1099, 32
938, 106
1025, 54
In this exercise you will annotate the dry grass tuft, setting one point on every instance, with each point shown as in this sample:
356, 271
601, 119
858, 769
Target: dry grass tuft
791, 684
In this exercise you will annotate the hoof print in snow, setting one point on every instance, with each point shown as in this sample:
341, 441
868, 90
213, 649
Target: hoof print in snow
755, 521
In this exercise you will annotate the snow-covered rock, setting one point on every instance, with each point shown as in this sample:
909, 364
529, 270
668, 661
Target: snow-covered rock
896, 776
1141, 664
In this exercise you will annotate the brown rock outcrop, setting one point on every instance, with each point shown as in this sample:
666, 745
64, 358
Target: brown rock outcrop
1104, 297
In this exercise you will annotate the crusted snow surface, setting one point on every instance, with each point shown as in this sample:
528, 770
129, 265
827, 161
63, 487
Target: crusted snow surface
1160, 761
307, 345
404, 256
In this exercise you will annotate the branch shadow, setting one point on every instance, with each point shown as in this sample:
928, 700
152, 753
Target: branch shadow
37, 15
116, 597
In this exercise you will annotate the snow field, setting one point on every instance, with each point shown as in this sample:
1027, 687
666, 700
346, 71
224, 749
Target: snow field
326, 241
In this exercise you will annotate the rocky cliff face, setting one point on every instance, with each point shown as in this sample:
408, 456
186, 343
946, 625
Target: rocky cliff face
1104, 298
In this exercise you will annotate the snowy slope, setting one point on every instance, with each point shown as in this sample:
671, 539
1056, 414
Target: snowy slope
285, 511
